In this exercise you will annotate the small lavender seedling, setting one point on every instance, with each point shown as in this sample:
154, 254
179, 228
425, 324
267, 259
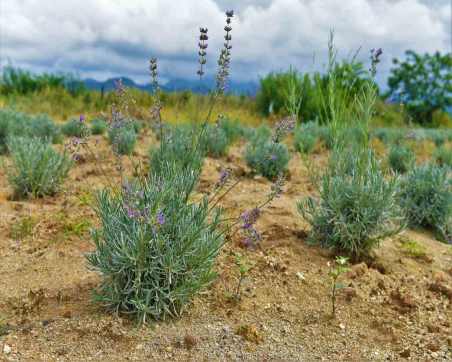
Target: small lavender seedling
339, 267
243, 268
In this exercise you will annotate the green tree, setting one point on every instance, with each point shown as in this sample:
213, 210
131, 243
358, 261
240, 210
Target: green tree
423, 83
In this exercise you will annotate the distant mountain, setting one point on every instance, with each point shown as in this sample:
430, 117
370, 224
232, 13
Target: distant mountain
176, 85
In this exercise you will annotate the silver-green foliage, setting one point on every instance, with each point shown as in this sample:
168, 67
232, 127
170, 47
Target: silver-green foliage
14, 123
36, 169
155, 249
179, 145
75, 128
98, 126
266, 157
306, 137
401, 158
426, 197
216, 141
124, 141
232, 128
356, 207
389, 135
43, 127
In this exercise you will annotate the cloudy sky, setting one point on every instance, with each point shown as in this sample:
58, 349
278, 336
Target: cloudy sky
105, 38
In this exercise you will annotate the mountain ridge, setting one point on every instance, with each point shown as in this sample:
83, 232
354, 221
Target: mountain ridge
175, 85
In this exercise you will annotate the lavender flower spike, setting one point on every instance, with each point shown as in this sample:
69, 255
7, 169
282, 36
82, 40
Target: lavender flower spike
160, 217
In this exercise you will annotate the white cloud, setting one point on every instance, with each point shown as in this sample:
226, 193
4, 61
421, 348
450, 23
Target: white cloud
103, 38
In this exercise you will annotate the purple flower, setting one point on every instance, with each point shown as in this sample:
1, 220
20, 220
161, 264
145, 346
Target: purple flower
82, 118
249, 218
273, 157
283, 127
224, 176
160, 217
131, 212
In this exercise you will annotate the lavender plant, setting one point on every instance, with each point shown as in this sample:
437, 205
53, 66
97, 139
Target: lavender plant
306, 137
98, 127
36, 170
123, 141
340, 267
426, 198
401, 158
232, 128
10, 122
156, 246
76, 128
178, 146
270, 157
357, 206
14, 123
389, 135
216, 141
43, 127
154, 249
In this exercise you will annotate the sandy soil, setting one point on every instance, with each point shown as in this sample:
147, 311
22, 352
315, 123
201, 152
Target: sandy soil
395, 307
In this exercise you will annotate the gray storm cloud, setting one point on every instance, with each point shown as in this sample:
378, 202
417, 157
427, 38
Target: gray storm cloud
103, 38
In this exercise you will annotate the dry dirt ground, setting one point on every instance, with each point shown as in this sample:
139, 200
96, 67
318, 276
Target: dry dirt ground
395, 307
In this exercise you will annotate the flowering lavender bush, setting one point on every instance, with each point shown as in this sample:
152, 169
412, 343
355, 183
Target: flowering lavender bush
266, 155
357, 205
37, 169
267, 158
154, 249
75, 128
426, 197
124, 141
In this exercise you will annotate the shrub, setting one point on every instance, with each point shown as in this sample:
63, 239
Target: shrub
43, 127
304, 141
389, 135
37, 169
75, 128
154, 250
443, 156
262, 132
357, 206
232, 129
98, 126
426, 197
267, 158
306, 137
216, 141
123, 140
401, 159
14, 123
